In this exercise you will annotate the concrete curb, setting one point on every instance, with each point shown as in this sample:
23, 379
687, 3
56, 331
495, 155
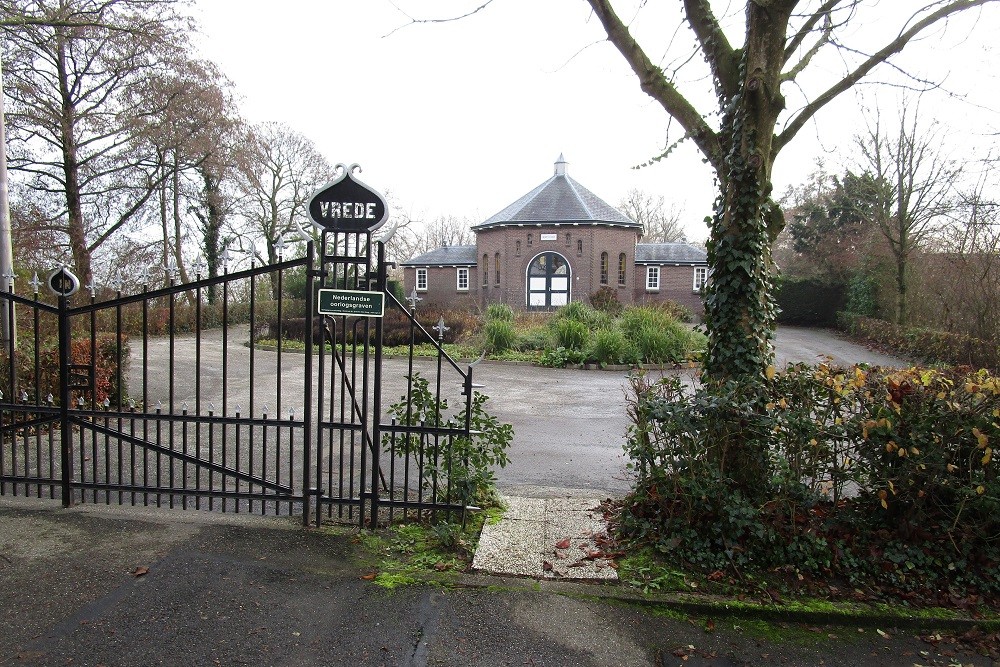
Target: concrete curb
718, 607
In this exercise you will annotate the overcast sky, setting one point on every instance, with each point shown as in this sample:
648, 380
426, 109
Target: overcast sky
462, 118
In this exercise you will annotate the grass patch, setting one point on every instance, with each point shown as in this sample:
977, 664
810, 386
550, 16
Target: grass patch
418, 553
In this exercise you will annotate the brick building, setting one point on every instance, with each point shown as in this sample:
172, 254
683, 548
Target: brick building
558, 243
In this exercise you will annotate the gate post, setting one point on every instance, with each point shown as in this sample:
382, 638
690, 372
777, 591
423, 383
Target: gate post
307, 416
65, 396
376, 416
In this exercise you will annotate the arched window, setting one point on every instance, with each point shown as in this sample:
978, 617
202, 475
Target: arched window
486, 270
621, 269
579, 247
517, 251
604, 268
496, 268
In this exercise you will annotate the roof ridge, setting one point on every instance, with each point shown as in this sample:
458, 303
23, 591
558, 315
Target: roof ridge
583, 203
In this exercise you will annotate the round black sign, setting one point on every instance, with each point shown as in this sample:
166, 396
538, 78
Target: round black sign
62, 282
347, 204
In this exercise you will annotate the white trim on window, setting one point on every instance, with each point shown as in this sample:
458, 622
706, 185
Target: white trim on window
421, 282
652, 279
462, 279
700, 277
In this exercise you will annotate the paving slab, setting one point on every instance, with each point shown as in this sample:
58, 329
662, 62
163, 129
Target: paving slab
546, 538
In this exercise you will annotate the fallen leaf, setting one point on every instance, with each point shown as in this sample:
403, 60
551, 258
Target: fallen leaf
369, 576
883, 634
709, 625
547, 566
563, 543
140, 571
441, 566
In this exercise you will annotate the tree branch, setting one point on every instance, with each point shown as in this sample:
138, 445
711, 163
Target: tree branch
807, 27
882, 55
719, 54
655, 84
804, 62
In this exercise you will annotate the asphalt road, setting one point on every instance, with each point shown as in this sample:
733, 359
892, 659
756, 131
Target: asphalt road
126, 587
569, 425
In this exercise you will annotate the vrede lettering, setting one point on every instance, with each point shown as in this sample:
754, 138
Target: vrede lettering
347, 210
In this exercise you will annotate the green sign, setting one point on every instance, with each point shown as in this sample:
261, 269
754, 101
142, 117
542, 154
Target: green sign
351, 302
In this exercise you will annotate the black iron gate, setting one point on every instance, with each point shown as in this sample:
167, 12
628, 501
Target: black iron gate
227, 393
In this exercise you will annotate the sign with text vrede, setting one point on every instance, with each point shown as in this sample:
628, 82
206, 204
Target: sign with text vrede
347, 205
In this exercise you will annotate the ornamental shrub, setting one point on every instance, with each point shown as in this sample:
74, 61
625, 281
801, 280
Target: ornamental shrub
610, 346
871, 475
499, 311
453, 469
500, 335
570, 333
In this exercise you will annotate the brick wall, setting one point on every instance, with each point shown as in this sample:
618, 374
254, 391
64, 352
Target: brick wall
581, 246
676, 284
442, 287
584, 261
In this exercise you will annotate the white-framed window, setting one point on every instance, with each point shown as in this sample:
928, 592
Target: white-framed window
700, 277
652, 278
463, 279
421, 280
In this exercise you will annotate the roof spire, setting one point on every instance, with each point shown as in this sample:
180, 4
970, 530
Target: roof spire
561, 166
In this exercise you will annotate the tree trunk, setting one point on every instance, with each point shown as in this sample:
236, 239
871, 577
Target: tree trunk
739, 305
178, 232
211, 225
71, 169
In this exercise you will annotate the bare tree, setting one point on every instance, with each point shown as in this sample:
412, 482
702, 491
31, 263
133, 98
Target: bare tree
194, 141
958, 284
68, 65
780, 41
913, 182
659, 224
280, 170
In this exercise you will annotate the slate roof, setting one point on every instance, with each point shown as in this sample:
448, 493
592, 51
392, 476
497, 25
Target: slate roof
454, 255
559, 200
669, 253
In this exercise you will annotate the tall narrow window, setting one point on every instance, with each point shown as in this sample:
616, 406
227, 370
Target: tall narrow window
604, 268
621, 269
496, 268
567, 239
529, 240
579, 247
652, 278
517, 249
421, 280
486, 270
463, 279
700, 277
